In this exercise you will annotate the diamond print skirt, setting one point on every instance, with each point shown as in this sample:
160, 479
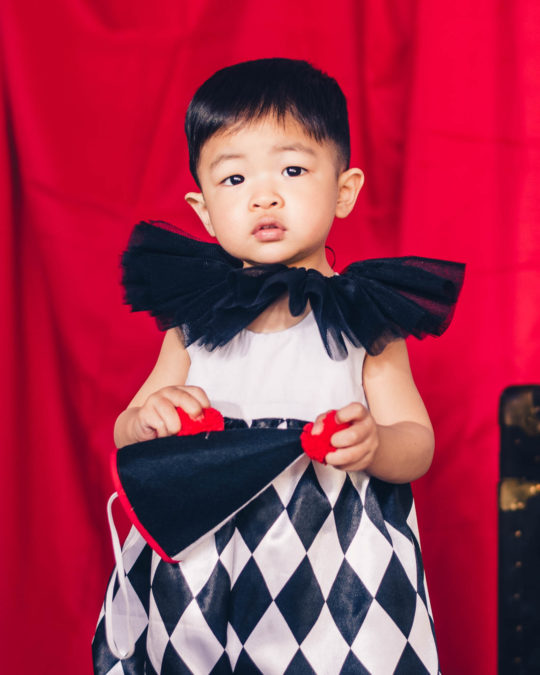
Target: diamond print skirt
321, 573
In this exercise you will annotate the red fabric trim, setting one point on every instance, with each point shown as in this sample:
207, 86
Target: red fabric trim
130, 512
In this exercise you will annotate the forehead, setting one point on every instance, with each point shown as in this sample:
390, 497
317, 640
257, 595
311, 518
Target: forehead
263, 136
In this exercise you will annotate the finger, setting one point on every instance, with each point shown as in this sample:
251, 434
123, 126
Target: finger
150, 418
318, 423
145, 432
199, 394
169, 415
346, 456
192, 400
354, 412
353, 435
185, 398
362, 465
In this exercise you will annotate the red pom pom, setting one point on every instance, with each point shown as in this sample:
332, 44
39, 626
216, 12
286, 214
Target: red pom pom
318, 446
210, 420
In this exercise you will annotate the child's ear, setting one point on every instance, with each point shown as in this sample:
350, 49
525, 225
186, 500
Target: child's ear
349, 185
197, 203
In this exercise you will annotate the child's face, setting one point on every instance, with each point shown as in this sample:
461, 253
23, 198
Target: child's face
270, 193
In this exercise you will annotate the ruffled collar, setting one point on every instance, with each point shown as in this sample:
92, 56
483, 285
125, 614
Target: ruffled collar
208, 294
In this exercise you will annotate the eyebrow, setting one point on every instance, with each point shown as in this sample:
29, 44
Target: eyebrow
294, 147
224, 157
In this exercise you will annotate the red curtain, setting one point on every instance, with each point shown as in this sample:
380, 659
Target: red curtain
445, 116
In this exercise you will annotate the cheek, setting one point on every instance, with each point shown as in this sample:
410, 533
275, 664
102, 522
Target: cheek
322, 204
323, 192
222, 213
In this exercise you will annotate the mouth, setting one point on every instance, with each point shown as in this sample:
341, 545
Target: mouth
268, 230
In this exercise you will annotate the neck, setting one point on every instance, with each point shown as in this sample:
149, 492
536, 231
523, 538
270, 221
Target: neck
277, 317
316, 261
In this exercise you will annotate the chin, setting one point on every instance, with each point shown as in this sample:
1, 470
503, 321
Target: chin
269, 259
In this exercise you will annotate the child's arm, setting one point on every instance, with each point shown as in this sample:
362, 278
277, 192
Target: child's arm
393, 440
152, 412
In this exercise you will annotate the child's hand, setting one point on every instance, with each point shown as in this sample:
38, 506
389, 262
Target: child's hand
355, 446
158, 418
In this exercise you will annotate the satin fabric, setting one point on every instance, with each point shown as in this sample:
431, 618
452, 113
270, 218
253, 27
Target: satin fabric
176, 490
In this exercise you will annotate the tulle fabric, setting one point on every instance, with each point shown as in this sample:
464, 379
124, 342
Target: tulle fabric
208, 294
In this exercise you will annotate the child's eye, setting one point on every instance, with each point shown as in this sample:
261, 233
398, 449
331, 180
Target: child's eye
292, 171
233, 180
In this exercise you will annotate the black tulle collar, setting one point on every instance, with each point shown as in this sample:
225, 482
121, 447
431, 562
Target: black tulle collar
211, 297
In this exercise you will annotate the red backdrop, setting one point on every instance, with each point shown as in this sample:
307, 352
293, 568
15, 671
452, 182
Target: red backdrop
445, 117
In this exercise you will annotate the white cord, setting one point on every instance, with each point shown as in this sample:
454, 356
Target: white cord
121, 575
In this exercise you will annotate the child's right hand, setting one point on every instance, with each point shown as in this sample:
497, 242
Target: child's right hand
158, 418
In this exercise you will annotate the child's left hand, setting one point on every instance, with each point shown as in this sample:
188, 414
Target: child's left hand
355, 446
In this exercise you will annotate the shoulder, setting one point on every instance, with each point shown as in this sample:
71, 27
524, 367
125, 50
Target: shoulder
173, 353
393, 358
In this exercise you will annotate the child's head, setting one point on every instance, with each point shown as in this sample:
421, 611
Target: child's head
269, 149
253, 90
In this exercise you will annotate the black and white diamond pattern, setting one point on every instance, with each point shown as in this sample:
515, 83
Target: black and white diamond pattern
320, 574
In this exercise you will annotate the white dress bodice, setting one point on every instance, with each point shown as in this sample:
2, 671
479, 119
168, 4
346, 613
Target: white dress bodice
281, 374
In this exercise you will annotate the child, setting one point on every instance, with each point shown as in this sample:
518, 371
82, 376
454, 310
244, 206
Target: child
321, 571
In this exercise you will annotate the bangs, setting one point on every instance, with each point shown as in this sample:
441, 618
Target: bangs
253, 90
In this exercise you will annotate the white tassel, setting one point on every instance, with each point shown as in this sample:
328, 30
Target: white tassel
121, 575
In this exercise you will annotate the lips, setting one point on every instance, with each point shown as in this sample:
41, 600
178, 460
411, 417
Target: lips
268, 230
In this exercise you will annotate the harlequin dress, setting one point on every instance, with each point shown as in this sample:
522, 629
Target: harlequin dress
320, 571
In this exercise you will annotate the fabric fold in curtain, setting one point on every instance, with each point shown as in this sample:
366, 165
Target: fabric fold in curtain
445, 117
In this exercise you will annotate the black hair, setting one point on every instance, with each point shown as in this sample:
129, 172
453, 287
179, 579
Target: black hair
253, 89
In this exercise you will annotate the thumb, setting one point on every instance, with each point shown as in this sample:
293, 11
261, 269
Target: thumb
318, 423
146, 433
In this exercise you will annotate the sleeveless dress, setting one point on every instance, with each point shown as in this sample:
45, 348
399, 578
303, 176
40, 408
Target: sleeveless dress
321, 573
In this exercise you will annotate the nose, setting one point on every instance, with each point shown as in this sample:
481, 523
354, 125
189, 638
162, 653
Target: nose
266, 199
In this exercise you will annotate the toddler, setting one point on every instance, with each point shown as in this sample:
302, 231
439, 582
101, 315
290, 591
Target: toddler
319, 571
